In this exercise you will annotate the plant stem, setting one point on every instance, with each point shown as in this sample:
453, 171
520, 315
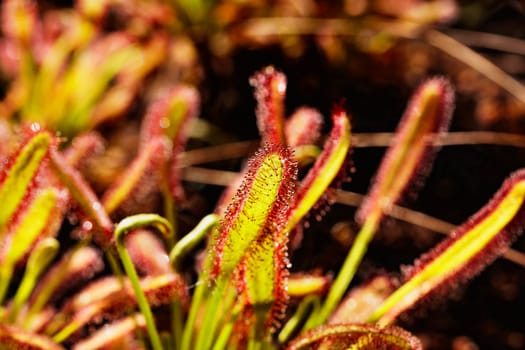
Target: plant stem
308, 306
176, 323
347, 271
211, 318
196, 304
122, 228
226, 330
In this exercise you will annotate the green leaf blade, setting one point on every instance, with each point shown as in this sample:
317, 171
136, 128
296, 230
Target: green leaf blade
329, 164
20, 175
469, 248
259, 202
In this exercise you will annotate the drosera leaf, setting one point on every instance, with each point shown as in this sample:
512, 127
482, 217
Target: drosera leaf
13, 338
303, 127
302, 284
407, 161
19, 19
158, 290
267, 185
360, 303
76, 266
80, 190
270, 89
144, 170
356, 337
257, 213
170, 117
113, 335
264, 275
33, 224
118, 98
469, 248
16, 180
105, 59
328, 165
41, 256
427, 114
82, 147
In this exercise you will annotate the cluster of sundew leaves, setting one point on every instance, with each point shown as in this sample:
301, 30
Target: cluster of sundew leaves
254, 298
30, 185
91, 73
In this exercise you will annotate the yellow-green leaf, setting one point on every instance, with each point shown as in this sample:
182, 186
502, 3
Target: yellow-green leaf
465, 253
20, 174
259, 203
32, 225
325, 169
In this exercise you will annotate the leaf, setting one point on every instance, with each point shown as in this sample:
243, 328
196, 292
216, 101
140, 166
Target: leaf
356, 337
326, 168
132, 189
464, 253
302, 284
264, 274
412, 150
31, 227
74, 267
158, 290
19, 19
17, 178
260, 203
359, 304
303, 127
113, 335
104, 59
80, 190
171, 116
13, 338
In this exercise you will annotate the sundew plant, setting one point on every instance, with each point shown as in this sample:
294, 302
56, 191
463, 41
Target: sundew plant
94, 253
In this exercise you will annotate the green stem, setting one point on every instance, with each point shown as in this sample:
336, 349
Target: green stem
126, 225
347, 271
227, 329
169, 210
66, 332
307, 306
210, 315
196, 304
194, 237
176, 323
